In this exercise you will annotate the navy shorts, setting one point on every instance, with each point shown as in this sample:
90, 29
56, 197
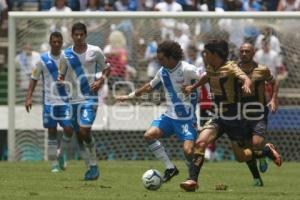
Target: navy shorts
235, 129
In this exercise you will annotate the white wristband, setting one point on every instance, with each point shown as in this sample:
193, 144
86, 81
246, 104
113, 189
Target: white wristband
131, 95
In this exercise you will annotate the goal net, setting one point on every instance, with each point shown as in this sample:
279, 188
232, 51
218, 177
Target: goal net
129, 41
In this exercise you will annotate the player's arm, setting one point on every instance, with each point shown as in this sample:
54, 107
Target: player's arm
246, 87
101, 61
188, 89
147, 88
137, 93
33, 82
273, 104
62, 69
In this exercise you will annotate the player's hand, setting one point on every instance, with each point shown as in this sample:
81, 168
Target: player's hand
60, 79
187, 89
96, 85
122, 98
273, 105
247, 86
28, 104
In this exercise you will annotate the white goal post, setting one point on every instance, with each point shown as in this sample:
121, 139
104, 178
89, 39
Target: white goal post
15, 17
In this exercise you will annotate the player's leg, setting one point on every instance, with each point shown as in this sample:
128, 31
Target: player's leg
268, 150
186, 131
50, 123
207, 135
252, 165
258, 142
53, 147
87, 117
161, 127
205, 115
188, 150
65, 121
75, 124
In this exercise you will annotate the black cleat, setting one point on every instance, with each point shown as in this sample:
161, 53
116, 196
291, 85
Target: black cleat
170, 173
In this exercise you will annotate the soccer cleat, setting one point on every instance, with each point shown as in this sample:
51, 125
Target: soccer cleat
189, 185
92, 173
263, 165
55, 168
62, 162
277, 158
170, 173
257, 182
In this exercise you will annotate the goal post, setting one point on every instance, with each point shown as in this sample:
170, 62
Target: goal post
145, 25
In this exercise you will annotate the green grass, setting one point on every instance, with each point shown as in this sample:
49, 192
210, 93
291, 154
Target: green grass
121, 180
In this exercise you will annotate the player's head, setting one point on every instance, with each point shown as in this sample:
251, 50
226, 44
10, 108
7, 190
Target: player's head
27, 48
60, 3
56, 42
79, 33
169, 53
192, 52
215, 49
246, 53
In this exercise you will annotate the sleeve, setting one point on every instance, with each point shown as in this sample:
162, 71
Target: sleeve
63, 66
268, 75
101, 60
156, 81
37, 70
236, 71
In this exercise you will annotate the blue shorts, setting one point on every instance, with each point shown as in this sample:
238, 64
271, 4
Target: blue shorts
184, 129
84, 114
57, 114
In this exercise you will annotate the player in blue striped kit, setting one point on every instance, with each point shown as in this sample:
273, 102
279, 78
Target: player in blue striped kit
56, 109
179, 118
80, 64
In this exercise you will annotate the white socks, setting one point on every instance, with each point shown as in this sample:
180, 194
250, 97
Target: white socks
91, 152
160, 153
52, 151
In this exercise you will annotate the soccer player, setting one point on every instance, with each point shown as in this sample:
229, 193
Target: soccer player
56, 109
257, 121
84, 62
223, 76
179, 117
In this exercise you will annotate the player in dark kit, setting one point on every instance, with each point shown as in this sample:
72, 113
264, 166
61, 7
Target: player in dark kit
223, 77
255, 109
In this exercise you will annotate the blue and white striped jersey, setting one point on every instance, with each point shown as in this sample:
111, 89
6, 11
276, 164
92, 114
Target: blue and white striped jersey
82, 70
179, 106
47, 67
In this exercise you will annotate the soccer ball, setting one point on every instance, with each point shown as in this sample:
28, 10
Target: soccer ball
152, 179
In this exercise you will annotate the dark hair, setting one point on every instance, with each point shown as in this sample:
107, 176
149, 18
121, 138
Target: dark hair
55, 3
55, 34
97, 4
219, 47
79, 26
193, 47
170, 49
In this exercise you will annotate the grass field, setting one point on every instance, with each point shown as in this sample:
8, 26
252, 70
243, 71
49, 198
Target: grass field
121, 180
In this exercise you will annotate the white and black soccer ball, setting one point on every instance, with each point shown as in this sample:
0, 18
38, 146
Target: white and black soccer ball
152, 179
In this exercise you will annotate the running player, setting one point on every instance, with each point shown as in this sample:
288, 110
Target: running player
83, 62
56, 109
